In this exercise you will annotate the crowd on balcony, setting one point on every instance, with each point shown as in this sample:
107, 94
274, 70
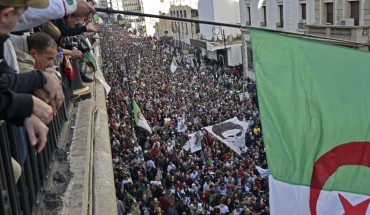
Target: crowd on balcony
153, 173
44, 45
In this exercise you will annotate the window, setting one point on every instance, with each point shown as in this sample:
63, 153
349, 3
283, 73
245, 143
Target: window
177, 13
249, 15
264, 22
194, 13
180, 13
281, 16
329, 13
355, 11
303, 11
185, 13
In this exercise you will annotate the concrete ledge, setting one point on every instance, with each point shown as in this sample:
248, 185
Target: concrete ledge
104, 194
77, 196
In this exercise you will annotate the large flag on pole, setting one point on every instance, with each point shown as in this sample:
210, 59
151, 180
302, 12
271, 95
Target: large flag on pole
231, 132
173, 64
314, 102
139, 118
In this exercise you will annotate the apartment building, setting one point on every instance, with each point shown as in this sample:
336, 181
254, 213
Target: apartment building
344, 22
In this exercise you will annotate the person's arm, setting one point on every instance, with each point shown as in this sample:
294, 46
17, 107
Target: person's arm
14, 106
68, 31
57, 9
23, 82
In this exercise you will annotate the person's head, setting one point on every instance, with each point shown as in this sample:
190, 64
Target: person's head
43, 49
71, 20
12, 10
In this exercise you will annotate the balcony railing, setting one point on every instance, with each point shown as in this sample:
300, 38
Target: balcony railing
22, 197
358, 34
263, 24
280, 25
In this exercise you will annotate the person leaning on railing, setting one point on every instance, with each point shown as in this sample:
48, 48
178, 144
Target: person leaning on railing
16, 104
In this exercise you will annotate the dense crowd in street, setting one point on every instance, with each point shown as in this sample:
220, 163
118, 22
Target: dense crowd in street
153, 173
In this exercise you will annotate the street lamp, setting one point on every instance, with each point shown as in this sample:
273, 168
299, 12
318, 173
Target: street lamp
216, 30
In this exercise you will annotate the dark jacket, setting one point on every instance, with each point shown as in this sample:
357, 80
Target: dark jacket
16, 102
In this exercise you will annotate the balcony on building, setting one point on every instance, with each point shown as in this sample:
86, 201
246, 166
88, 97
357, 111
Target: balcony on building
357, 34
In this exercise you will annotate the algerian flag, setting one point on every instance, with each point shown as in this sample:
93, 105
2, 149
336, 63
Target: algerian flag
173, 64
263, 172
98, 19
139, 118
314, 102
231, 132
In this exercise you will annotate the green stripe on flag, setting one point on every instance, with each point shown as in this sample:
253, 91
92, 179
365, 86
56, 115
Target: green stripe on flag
313, 97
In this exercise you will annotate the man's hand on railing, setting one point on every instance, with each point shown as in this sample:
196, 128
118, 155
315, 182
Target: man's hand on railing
42, 110
55, 92
37, 131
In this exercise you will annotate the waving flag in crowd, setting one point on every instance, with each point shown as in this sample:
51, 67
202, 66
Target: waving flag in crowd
173, 64
231, 132
263, 172
194, 143
139, 118
98, 19
314, 102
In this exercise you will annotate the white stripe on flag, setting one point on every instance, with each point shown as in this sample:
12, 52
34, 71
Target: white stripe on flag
294, 199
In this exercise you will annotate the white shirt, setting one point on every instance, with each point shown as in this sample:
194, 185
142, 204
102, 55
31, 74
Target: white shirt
223, 209
138, 149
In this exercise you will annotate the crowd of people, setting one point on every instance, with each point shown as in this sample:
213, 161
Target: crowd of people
153, 172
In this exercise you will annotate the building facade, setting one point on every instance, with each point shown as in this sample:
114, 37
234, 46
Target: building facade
343, 22
218, 42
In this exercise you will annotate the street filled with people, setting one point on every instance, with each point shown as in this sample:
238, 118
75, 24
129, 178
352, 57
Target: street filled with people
153, 171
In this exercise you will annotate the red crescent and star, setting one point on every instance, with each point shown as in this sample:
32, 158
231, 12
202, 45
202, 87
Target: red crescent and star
353, 153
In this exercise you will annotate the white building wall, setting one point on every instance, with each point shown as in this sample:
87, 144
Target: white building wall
154, 7
226, 11
235, 51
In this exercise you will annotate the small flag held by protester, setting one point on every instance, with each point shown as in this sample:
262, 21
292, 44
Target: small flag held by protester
174, 64
139, 118
98, 19
263, 172
181, 123
195, 141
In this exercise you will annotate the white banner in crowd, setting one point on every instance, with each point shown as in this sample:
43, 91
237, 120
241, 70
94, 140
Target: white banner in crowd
231, 132
181, 123
243, 96
194, 143
263, 172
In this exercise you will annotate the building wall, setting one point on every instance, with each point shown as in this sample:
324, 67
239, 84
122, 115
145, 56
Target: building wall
226, 11
234, 55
